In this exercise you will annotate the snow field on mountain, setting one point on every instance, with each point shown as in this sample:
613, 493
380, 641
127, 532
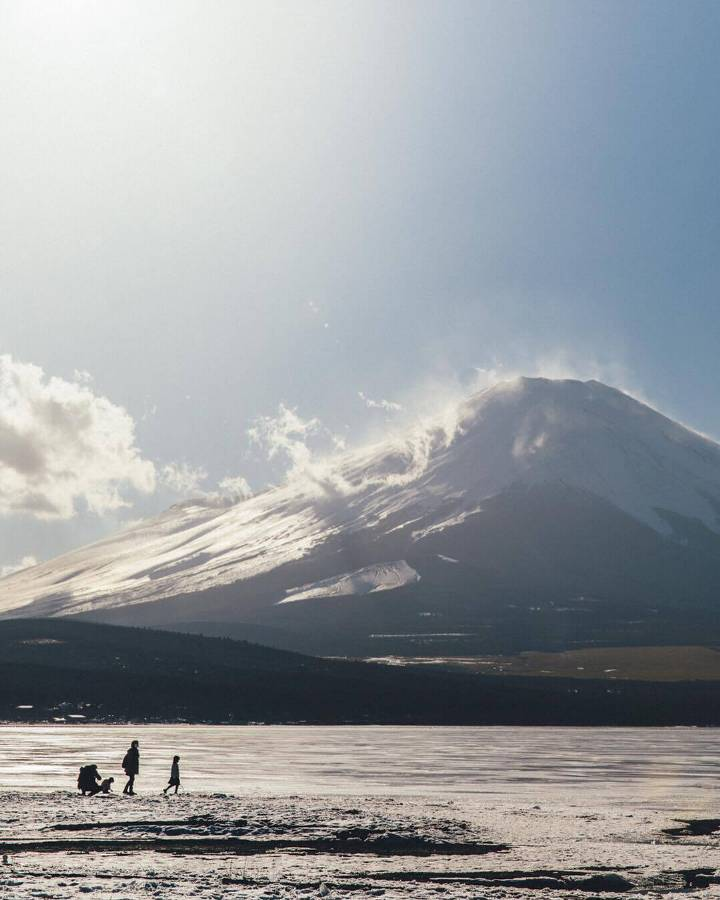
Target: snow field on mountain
370, 580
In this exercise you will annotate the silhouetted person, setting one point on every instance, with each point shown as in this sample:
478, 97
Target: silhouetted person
174, 776
106, 785
131, 765
88, 780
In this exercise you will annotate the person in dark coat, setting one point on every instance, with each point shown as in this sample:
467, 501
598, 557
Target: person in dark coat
131, 765
174, 775
88, 780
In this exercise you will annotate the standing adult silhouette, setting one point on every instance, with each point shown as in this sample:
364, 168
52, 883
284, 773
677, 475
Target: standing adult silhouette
131, 765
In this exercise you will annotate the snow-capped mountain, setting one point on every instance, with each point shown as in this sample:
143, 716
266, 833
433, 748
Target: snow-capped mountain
539, 512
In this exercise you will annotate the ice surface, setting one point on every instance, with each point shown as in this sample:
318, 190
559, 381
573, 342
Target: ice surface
393, 812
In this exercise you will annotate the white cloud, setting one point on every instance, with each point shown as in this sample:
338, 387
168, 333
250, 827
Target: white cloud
149, 410
286, 435
316, 465
24, 563
63, 446
182, 478
387, 405
235, 488
310, 452
186, 481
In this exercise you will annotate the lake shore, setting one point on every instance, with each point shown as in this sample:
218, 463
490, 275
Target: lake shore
61, 845
360, 812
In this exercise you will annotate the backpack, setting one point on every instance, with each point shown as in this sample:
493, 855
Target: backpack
126, 761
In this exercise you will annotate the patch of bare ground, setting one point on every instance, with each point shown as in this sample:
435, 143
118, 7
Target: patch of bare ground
389, 845
658, 664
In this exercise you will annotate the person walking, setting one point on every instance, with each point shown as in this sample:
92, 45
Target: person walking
131, 765
174, 776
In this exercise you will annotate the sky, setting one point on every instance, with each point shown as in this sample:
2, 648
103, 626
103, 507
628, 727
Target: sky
228, 224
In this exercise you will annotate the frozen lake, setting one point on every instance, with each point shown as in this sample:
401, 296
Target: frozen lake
650, 763
356, 812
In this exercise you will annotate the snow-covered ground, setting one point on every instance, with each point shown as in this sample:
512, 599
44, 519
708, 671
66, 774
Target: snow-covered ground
61, 845
405, 812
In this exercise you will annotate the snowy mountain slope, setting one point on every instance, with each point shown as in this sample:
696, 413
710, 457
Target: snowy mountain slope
513, 468
370, 580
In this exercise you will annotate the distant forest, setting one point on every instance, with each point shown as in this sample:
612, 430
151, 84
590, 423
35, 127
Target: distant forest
64, 670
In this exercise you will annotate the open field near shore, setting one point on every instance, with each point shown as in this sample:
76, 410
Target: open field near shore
685, 663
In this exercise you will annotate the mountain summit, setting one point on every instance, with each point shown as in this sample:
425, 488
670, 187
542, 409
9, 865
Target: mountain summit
539, 513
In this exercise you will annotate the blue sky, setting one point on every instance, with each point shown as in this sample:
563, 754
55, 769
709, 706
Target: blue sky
215, 208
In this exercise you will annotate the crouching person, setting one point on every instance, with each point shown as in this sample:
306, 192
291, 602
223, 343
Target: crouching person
88, 780
106, 785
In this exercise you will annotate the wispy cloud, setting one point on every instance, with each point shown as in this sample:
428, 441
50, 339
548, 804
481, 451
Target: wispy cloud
290, 437
24, 563
386, 405
561, 363
182, 478
235, 488
424, 419
188, 482
63, 446
308, 450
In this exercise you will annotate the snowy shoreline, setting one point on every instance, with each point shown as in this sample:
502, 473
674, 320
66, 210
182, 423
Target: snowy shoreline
291, 812
61, 845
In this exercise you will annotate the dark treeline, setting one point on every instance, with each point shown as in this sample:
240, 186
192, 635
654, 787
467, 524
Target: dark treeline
67, 668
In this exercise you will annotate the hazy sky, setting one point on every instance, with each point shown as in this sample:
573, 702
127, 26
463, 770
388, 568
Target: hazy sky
209, 208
